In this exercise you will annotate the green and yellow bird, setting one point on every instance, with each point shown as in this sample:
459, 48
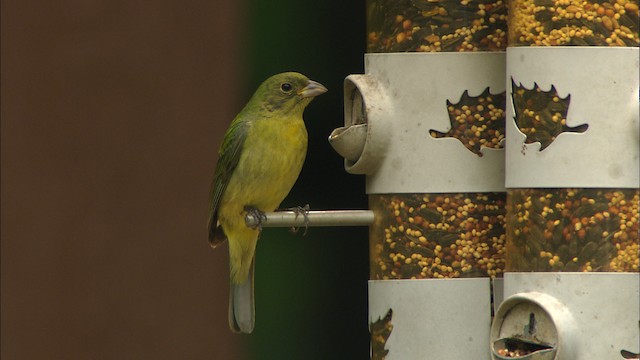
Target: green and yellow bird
259, 161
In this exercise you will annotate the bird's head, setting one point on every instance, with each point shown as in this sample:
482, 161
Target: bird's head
288, 92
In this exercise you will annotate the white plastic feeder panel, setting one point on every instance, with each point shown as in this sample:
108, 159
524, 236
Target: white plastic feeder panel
402, 97
434, 319
568, 316
603, 87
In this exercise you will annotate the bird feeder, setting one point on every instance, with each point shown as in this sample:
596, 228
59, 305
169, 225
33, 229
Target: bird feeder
425, 124
572, 182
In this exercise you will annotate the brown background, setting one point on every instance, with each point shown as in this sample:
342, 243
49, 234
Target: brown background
112, 112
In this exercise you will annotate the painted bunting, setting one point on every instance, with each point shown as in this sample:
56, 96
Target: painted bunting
259, 161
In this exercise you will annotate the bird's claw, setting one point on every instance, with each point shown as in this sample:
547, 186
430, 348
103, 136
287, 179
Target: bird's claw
257, 214
304, 211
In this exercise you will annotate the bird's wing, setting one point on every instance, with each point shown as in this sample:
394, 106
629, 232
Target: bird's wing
227, 162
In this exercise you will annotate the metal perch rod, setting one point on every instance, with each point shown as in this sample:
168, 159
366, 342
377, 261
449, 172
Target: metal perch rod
315, 218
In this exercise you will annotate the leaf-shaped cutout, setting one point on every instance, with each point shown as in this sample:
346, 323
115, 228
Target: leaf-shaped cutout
541, 115
476, 121
380, 332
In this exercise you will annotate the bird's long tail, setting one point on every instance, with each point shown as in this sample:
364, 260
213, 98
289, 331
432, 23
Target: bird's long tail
242, 315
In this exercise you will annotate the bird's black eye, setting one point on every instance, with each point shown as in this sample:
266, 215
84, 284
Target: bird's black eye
286, 87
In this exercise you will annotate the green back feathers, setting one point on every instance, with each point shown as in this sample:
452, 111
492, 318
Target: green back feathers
228, 157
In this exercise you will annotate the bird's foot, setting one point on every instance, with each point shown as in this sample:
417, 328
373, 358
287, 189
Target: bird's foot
258, 215
304, 211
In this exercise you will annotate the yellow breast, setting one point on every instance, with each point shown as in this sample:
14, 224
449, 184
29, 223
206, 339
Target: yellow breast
271, 160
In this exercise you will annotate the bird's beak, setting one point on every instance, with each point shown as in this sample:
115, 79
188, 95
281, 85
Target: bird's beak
312, 89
